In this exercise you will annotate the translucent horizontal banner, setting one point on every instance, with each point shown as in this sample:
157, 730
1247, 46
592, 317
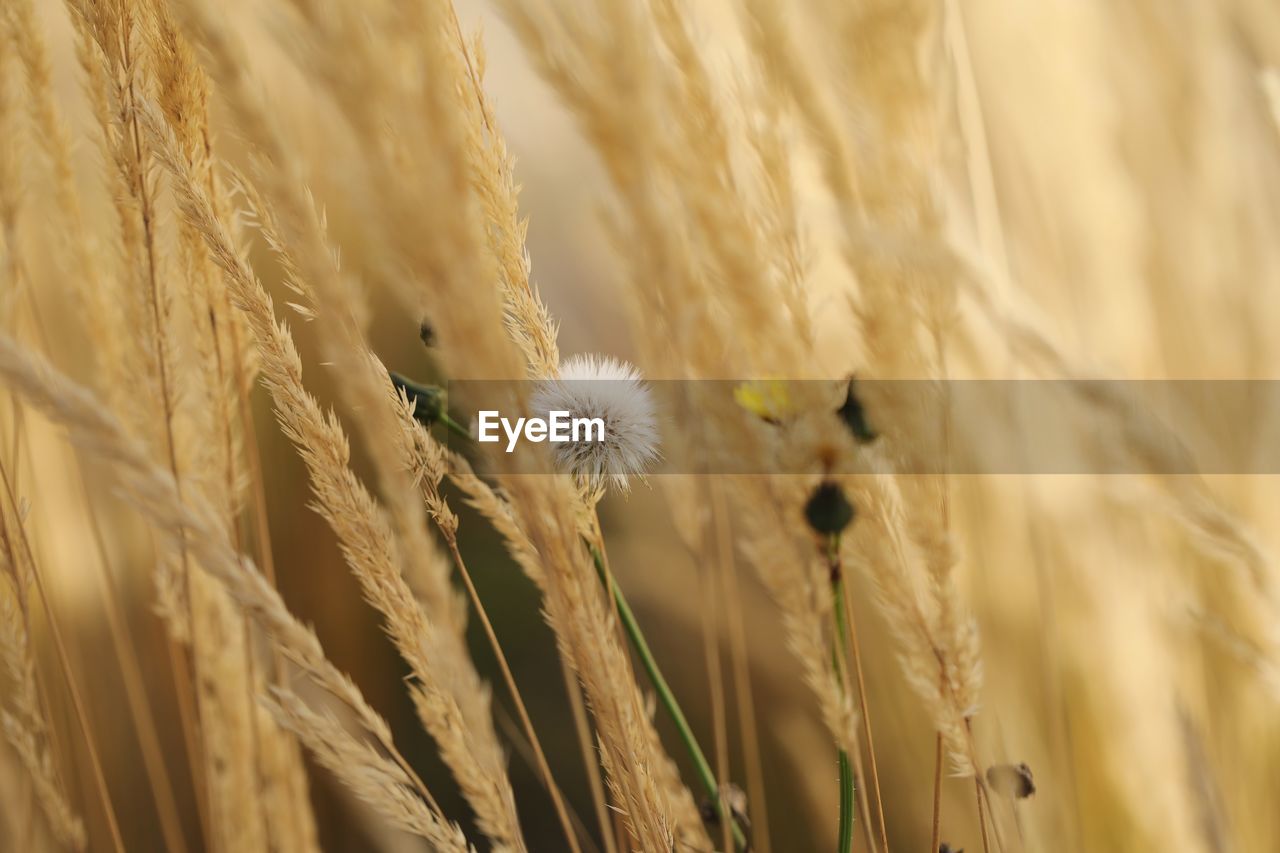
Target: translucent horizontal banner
622, 426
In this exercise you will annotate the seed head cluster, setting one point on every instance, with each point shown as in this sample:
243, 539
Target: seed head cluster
593, 386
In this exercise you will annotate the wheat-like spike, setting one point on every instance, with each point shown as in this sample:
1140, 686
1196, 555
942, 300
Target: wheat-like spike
368, 538
492, 173
939, 653
898, 295
587, 637
341, 319
118, 41
221, 642
498, 511
373, 778
153, 491
791, 569
89, 274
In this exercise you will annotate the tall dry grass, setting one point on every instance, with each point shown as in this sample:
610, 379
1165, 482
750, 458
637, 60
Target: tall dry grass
221, 224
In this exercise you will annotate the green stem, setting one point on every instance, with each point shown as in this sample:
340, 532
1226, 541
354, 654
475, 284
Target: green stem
431, 403
668, 699
846, 804
846, 768
454, 426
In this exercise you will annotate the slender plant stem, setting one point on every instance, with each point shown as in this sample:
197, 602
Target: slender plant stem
750, 733
851, 626
582, 727
860, 798
845, 843
980, 791
982, 817
520, 743
557, 798
184, 662
668, 699
454, 426
937, 795
122, 640
73, 690
715, 670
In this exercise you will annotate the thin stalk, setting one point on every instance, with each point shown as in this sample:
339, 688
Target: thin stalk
845, 843
582, 727
982, 817
454, 426
937, 796
430, 404
73, 690
855, 654
715, 673
557, 798
860, 789
980, 791
185, 668
123, 645
135, 688
705, 774
521, 744
750, 734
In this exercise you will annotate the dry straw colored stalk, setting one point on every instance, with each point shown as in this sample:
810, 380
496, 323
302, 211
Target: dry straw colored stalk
362, 527
155, 495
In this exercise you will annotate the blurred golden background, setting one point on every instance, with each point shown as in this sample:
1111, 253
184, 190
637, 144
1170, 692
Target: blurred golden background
1112, 171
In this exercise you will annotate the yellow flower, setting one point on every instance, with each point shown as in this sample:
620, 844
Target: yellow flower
767, 399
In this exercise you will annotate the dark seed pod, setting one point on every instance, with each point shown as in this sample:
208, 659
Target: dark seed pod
429, 400
1011, 780
828, 511
855, 417
427, 334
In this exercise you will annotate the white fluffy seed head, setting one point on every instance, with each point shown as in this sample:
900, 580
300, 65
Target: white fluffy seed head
592, 386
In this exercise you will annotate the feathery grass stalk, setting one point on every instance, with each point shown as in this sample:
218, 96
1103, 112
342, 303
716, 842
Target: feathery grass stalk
151, 487
183, 662
705, 774
124, 647
544, 768
582, 729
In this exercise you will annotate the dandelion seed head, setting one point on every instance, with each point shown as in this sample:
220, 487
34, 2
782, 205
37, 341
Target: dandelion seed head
593, 386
